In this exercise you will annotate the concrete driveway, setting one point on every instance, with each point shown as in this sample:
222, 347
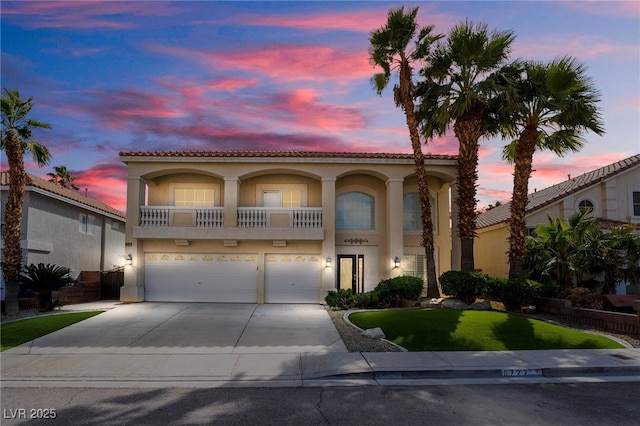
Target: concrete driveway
196, 328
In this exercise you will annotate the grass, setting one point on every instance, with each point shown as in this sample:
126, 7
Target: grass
18, 332
457, 330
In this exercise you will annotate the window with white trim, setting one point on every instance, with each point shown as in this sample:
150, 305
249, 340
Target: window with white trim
355, 210
412, 212
635, 203
282, 198
414, 265
87, 224
586, 205
193, 197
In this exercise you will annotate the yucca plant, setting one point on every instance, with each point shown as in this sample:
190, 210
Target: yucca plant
44, 279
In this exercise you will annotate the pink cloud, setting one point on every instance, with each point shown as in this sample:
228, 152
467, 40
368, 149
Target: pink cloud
284, 63
106, 182
232, 84
581, 47
84, 15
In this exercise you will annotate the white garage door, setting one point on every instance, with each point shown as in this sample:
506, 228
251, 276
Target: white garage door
180, 277
292, 278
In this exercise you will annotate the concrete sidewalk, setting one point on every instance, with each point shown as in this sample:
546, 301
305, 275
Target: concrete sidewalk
281, 345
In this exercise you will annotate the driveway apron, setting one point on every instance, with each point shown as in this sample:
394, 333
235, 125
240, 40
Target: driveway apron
196, 328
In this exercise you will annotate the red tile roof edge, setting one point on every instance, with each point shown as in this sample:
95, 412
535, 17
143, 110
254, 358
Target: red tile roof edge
275, 154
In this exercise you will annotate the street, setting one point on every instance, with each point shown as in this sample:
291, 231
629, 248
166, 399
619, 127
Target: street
522, 404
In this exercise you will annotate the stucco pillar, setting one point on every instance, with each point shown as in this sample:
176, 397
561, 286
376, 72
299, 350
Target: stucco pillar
394, 237
456, 254
133, 289
329, 241
231, 193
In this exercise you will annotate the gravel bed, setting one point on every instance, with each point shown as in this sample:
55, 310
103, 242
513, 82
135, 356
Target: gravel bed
353, 338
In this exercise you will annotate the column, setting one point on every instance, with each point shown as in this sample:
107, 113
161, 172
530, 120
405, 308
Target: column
395, 233
231, 193
455, 238
133, 289
329, 241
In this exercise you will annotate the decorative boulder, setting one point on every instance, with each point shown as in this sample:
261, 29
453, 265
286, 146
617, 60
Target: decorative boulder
375, 333
484, 306
454, 304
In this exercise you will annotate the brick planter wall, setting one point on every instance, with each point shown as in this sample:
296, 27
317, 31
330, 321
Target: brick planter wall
603, 320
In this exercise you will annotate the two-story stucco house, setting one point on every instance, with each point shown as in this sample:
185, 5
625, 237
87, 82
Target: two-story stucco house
63, 227
612, 193
270, 227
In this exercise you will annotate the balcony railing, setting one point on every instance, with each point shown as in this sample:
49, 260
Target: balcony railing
273, 217
248, 217
165, 216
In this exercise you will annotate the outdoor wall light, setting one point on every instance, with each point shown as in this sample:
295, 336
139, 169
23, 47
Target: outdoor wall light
396, 262
328, 262
128, 260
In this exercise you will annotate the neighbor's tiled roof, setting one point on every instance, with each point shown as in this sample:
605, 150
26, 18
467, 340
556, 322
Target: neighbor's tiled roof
542, 198
279, 154
76, 196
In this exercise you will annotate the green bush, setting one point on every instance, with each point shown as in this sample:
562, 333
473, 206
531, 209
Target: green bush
465, 286
395, 291
341, 299
44, 279
515, 293
387, 294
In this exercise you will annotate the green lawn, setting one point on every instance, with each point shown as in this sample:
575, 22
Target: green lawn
18, 332
458, 330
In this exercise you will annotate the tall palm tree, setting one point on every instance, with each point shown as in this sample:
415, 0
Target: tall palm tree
17, 130
61, 176
390, 50
456, 90
553, 105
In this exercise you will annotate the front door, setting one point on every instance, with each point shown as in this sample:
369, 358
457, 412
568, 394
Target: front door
351, 272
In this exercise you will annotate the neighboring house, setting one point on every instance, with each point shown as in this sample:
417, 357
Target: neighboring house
611, 192
270, 227
62, 227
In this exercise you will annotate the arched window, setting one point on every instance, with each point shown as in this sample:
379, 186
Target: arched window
355, 210
585, 205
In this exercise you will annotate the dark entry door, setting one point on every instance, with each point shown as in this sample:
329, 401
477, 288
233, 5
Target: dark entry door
351, 272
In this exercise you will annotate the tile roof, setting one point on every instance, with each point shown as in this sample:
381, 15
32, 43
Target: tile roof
279, 154
70, 194
544, 197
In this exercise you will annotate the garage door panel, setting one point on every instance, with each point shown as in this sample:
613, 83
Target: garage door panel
292, 278
201, 277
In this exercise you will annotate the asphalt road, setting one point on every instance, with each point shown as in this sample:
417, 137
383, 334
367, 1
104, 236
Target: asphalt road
524, 404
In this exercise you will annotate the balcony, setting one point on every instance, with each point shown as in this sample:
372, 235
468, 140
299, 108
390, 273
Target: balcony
254, 223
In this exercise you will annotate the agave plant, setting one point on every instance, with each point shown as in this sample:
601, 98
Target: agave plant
44, 279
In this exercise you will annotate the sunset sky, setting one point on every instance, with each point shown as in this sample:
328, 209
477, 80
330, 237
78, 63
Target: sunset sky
149, 75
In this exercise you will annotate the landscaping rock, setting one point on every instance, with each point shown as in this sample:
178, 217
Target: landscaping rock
375, 333
484, 306
430, 303
454, 304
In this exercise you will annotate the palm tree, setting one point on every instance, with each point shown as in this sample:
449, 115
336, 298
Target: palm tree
44, 279
17, 130
61, 176
553, 105
457, 89
390, 50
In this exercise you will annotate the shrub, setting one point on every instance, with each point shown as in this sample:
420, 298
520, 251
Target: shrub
341, 299
582, 297
464, 285
551, 290
395, 291
517, 292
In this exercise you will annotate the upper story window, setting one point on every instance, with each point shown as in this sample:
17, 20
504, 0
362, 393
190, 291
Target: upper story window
193, 196
635, 201
412, 212
355, 210
87, 224
586, 205
282, 198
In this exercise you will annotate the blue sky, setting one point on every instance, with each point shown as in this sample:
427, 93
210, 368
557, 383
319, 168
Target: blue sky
149, 75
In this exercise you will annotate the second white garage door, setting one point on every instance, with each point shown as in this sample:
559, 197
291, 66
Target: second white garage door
191, 277
292, 278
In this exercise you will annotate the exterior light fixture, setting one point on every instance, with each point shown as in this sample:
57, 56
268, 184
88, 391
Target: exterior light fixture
128, 260
396, 262
328, 260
